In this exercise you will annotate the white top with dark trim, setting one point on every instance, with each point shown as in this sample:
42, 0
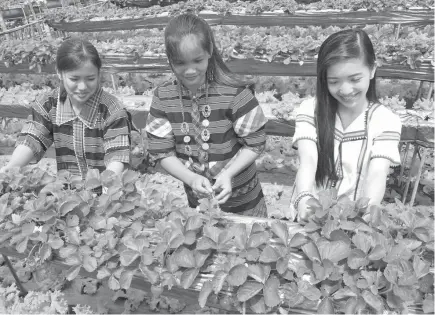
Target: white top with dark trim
373, 134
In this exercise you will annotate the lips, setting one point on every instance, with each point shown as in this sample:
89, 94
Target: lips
349, 98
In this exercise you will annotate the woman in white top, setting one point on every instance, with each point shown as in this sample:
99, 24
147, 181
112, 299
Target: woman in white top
345, 138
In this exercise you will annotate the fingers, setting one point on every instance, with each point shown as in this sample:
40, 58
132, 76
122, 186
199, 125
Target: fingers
223, 196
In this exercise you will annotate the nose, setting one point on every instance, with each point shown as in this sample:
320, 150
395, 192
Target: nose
81, 86
345, 89
190, 71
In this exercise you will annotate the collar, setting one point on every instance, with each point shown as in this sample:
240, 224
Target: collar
88, 113
185, 91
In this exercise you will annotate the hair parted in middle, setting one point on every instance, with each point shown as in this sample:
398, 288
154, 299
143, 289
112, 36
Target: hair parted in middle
189, 24
340, 46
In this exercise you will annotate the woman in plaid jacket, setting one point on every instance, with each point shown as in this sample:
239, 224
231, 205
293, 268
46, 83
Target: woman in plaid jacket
89, 127
206, 126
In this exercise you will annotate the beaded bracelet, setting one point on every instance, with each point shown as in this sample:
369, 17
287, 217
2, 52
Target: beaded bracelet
299, 197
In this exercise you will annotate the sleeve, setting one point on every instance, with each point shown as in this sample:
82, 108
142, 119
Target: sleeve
249, 120
386, 138
117, 138
161, 140
37, 134
305, 124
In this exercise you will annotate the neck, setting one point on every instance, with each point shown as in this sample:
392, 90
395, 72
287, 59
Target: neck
352, 112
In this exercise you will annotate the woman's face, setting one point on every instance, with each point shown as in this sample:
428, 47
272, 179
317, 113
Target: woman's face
81, 83
348, 82
190, 67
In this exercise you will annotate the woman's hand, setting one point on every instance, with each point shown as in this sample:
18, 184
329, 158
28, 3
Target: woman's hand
223, 186
201, 186
304, 211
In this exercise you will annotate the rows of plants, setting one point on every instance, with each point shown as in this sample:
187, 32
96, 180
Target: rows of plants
411, 47
225, 7
348, 258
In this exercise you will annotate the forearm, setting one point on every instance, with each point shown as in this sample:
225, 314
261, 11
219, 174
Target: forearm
375, 188
116, 167
305, 178
177, 169
245, 158
21, 156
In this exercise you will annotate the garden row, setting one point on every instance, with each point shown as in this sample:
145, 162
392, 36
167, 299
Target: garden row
338, 262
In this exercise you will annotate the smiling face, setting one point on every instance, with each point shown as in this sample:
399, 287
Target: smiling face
190, 66
81, 83
348, 82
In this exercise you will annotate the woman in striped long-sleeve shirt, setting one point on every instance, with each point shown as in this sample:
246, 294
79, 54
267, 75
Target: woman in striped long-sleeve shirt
206, 126
90, 128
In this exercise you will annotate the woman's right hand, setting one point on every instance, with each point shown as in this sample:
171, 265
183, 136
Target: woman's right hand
201, 186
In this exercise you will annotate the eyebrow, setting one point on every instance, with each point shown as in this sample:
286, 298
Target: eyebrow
350, 76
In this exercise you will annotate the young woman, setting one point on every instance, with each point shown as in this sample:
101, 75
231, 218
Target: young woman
206, 126
345, 138
89, 127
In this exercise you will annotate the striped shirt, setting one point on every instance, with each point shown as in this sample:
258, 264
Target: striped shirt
97, 136
236, 121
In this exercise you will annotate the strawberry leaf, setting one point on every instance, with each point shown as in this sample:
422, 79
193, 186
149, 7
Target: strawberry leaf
280, 229
270, 291
269, 254
206, 289
218, 281
299, 240
248, 290
188, 277
128, 256
125, 279
73, 272
237, 275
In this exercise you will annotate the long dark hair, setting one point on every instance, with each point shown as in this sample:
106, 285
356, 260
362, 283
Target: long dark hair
343, 45
72, 54
190, 24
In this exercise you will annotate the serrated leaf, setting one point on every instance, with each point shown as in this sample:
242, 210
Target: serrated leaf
218, 281
224, 237
282, 265
89, 263
22, 245
212, 233
73, 236
377, 253
270, 291
248, 290
325, 306
257, 239
237, 275
73, 272
193, 223
374, 301
189, 237
269, 255
152, 276
421, 267
257, 305
127, 257
240, 235
340, 235
183, 257
259, 272
176, 241
251, 254
291, 295
357, 258
125, 279
102, 273
45, 251
257, 228
280, 229
147, 257
205, 243
342, 293
422, 234
308, 290
206, 289
200, 257
334, 251
188, 277
428, 304
55, 241
113, 283
160, 249
362, 241
68, 206
27, 229
299, 240
310, 249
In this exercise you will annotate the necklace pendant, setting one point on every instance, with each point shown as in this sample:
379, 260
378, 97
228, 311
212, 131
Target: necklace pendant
205, 123
206, 111
188, 150
186, 139
205, 146
205, 135
203, 156
184, 127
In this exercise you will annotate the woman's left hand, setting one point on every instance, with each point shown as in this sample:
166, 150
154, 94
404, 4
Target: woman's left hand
223, 187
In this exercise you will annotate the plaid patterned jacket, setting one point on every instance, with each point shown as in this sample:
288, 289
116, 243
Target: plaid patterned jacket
97, 136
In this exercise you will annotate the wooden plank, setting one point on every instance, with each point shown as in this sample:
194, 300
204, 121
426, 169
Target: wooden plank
124, 63
418, 17
424, 132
